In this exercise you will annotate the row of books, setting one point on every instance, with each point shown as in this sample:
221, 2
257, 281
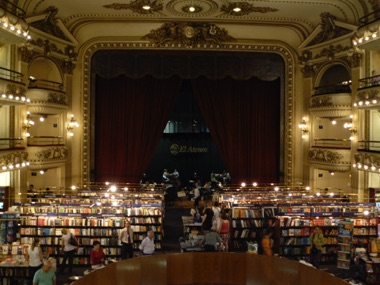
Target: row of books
294, 241
364, 231
252, 223
295, 232
72, 221
294, 222
254, 213
139, 211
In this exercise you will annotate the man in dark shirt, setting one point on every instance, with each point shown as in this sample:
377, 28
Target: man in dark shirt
208, 215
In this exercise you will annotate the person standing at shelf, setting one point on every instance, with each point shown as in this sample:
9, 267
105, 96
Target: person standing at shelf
34, 258
96, 255
197, 195
266, 243
147, 245
126, 239
68, 251
316, 240
45, 275
31, 193
211, 242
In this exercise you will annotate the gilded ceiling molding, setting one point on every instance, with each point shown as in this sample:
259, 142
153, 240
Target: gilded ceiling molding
188, 34
244, 8
138, 6
331, 52
88, 51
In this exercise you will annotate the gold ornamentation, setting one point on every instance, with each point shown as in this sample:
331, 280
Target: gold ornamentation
14, 158
329, 30
367, 159
138, 6
15, 90
368, 95
321, 101
49, 25
56, 153
27, 53
244, 8
57, 98
331, 51
188, 34
326, 156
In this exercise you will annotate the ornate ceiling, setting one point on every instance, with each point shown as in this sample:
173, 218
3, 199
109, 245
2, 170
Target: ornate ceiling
290, 21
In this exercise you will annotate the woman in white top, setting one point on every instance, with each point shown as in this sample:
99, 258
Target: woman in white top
34, 257
68, 250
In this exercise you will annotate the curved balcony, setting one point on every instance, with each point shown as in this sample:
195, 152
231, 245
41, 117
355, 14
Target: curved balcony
367, 161
368, 93
332, 101
47, 97
331, 158
11, 144
13, 159
12, 88
13, 28
367, 35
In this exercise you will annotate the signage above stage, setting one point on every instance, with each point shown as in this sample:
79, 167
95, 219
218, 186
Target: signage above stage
177, 149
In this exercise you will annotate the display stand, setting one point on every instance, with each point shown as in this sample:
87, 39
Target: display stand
344, 240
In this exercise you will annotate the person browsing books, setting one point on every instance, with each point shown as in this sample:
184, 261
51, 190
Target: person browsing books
126, 239
317, 240
68, 250
34, 258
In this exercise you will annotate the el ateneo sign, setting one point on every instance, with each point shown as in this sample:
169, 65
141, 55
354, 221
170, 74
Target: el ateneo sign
176, 149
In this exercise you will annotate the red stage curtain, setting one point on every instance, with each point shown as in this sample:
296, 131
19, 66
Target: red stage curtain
130, 117
244, 121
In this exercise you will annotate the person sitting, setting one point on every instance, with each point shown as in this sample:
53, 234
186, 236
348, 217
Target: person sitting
96, 255
45, 275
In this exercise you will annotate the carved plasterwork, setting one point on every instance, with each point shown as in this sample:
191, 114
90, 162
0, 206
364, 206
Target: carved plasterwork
331, 52
324, 156
245, 9
14, 158
15, 90
137, 6
188, 34
49, 24
321, 101
369, 95
57, 98
354, 58
367, 159
51, 154
329, 30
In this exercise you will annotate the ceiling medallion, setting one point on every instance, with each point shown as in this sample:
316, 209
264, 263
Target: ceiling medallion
188, 34
243, 8
187, 8
138, 6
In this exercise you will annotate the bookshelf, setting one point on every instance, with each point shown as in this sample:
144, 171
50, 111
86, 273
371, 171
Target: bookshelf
91, 218
248, 223
344, 242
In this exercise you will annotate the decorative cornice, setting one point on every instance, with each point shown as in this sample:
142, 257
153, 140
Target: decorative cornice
188, 34
286, 53
321, 101
367, 161
369, 95
15, 90
14, 158
331, 51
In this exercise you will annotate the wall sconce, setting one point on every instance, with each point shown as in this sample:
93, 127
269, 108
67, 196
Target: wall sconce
304, 128
71, 125
351, 128
28, 123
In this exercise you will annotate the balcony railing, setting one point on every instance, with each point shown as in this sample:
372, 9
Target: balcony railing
45, 141
369, 18
369, 146
332, 143
332, 89
12, 8
369, 82
10, 75
11, 143
45, 84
